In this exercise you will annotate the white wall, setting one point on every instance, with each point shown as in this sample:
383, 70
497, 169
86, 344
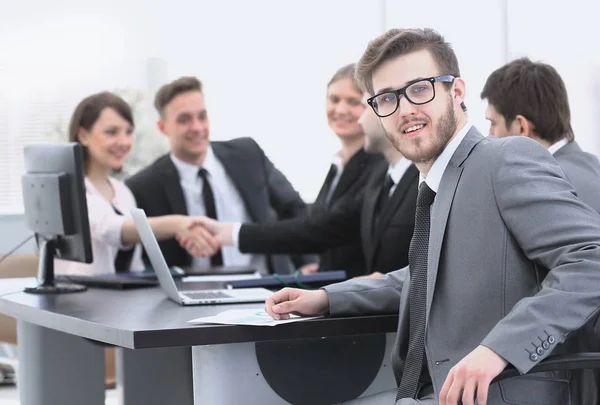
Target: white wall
565, 35
265, 63
479, 41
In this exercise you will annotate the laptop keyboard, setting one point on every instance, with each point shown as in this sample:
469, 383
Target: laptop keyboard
200, 295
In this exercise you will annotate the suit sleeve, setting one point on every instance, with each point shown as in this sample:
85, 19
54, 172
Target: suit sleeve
315, 233
556, 231
286, 202
367, 296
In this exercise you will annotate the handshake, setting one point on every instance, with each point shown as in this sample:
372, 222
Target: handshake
203, 236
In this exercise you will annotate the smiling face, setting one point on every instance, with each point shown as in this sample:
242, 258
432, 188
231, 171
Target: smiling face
108, 141
185, 123
419, 132
344, 108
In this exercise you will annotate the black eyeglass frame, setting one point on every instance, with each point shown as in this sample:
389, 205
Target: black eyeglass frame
402, 91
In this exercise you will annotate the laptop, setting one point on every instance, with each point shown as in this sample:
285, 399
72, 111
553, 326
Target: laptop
204, 296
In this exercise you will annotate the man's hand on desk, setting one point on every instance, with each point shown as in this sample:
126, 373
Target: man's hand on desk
293, 301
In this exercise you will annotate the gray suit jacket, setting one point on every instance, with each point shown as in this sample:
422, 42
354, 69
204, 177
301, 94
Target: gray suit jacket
582, 169
514, 265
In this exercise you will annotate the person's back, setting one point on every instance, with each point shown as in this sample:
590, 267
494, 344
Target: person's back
530, 99
582, 169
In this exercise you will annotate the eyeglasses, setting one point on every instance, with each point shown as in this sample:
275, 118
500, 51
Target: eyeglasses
417, 93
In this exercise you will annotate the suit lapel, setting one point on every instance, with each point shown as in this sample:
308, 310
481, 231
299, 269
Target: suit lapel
242, 176
371, 194
353, 170
442, 205
396, 199
169, 177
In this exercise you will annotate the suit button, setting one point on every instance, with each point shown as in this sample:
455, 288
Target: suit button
539, 351
551, 339
546, 345
533, 357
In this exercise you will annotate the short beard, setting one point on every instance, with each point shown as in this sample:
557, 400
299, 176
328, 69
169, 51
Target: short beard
446, 127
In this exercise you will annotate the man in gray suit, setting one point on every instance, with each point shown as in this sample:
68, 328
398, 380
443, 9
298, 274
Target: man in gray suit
530, 99
505, 259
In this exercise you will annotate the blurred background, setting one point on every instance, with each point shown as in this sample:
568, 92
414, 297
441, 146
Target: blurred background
265, 65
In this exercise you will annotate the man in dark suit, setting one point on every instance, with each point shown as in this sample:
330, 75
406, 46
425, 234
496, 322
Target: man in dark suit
530, 99
352, 182
350, 168
504, 260
224, 180
381, 218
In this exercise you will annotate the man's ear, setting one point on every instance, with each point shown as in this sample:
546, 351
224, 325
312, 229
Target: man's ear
526, 127
161, 126
459, 90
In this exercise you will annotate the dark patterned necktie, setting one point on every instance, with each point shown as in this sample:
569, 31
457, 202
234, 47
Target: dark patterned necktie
211, 211
417, 299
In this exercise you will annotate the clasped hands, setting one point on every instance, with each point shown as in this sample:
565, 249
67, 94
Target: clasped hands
203, 236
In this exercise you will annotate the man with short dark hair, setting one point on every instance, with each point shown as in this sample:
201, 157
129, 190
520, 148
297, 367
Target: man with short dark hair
504, 263
530, 99
232, 180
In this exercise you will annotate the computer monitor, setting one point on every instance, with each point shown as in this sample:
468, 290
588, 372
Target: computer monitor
56, 210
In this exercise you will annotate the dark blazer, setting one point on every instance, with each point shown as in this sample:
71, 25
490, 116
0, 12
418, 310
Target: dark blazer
268, 195
384, 246
349, 257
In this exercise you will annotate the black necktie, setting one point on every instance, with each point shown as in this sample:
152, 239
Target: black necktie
211, 211
417, 299
329, 181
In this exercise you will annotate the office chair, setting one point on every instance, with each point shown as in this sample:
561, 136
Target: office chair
559, 362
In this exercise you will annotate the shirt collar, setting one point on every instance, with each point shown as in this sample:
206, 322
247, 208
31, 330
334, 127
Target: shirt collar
397, 171
434, 177
556, 146
189, 172
338, 161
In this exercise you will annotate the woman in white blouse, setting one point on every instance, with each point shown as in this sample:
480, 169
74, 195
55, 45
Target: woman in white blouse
103, 124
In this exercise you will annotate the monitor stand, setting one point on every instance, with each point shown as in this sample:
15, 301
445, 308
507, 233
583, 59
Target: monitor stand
45, 277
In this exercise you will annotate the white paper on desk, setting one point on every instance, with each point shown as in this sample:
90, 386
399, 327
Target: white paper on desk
254, 317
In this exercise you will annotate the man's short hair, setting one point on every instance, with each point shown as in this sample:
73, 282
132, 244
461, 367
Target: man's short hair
171, 90
399, 42
534, 90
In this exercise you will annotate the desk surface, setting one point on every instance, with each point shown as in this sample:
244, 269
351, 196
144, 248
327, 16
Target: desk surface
146, 318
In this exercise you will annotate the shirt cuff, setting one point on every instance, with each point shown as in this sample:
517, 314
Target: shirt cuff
235, 234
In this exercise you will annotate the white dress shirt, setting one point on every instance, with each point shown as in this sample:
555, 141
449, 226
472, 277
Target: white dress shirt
556, 146
397, 171
434, 177
228, 203
338, 162
105, 229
